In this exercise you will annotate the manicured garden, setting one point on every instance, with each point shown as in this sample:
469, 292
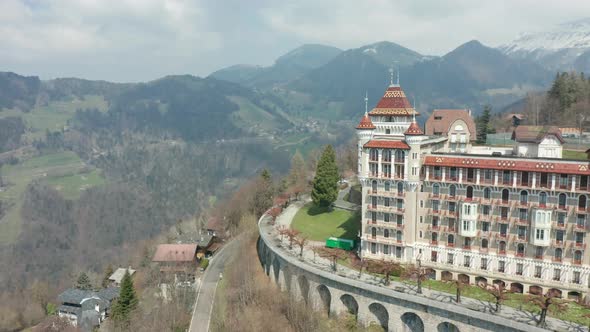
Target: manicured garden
318, 224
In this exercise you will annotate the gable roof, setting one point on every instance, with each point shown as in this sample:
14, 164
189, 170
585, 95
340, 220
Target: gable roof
441, 120
175, 253
535, 134
393, 102
117, 276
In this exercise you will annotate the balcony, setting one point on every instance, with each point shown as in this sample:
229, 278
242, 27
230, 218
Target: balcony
434, 243
577, 262
559, 225
557, 259
519, 254
558, 244
502, 252
580, 227
521, 239
451, 244
466, 247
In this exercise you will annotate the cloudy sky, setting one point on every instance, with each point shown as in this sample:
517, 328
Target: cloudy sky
137, 40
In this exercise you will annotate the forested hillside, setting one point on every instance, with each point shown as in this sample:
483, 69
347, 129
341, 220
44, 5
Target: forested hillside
92, 168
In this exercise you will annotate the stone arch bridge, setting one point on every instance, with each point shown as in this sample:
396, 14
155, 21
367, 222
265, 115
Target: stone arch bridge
394, 311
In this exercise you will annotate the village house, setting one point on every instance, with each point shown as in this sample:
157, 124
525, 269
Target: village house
86, 309
177, 260
117, 276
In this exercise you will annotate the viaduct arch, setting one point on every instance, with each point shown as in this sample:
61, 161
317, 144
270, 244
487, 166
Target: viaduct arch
333, 294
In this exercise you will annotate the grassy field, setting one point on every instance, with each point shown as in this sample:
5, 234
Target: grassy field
71, 186
251, 115
60, 169
55, 115
574, 154
319, 224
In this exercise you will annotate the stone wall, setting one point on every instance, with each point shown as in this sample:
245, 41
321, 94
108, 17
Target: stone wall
394, 311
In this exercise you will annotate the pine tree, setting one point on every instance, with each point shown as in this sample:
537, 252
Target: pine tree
127, 301
263, 195
325, 183
83, 282
482, 124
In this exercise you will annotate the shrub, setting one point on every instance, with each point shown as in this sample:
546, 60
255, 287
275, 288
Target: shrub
204, 263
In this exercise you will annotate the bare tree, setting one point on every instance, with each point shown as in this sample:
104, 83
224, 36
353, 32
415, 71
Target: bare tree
361, 264
416, 273
548, 302
499, 292
332, 254
282, 230
291, 235
384, 267
301, 241
459, 285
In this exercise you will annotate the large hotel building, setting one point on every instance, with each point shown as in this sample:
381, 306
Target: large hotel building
513, 215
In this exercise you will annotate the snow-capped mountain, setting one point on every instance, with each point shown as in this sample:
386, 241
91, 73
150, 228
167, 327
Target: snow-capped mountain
557, 49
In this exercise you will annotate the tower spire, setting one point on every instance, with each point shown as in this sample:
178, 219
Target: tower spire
391, 76
413, 113
366, 102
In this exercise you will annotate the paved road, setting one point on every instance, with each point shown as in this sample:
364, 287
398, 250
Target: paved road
206, 292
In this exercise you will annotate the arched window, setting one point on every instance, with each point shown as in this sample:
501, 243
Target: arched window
542, 199
558, 254
484, 243
434, 237
520, 249
524, 197
387, 185
386, 155
577, 257
399, 156
469, 193
386, 233
398, 236
487, 193
505, 195
451, 240
436, 189
582, 202
452, 190
562, 200
467, 242
373, 232
400, 188
374, 154
374, 186
502, 246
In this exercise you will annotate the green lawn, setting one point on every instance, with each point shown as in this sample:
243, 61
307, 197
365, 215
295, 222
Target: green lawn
71, 186
573, 154
319, 224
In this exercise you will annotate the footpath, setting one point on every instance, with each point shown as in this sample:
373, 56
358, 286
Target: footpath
311, 258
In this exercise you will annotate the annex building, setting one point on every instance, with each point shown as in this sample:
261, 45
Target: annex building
511, 215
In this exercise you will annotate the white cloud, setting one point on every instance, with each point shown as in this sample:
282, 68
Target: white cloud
144, 39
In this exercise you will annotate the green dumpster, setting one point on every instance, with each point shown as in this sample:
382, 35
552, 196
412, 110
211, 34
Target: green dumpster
334, 242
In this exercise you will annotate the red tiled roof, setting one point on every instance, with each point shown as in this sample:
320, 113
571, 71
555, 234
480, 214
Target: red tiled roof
175, 253
387, 144
393, 102
434, 125
414, 129
366, 123
214, 224
535, 134
581, 168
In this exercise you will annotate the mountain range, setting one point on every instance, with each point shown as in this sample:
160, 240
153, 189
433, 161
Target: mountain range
563, 47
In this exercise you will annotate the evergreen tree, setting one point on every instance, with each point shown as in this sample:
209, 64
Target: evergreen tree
83, 282
325, 183
127, 301
263, 195
482, 124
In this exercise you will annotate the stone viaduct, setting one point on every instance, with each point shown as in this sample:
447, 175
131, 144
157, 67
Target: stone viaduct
392, 310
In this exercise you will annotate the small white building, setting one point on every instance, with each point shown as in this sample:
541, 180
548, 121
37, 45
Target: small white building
538, 141
117, 276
